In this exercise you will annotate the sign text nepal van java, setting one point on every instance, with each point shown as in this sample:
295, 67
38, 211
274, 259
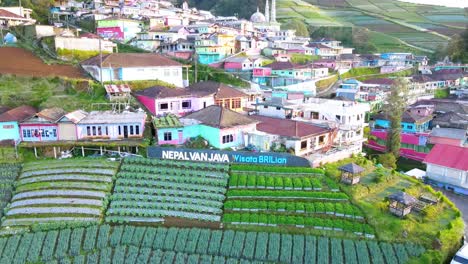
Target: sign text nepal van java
226, 156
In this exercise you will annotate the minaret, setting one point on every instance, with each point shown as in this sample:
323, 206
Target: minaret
267, 11
273, 11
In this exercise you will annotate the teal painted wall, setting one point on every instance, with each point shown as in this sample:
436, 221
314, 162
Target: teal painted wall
9, 133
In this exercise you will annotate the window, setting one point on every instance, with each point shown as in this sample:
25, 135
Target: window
107, 131
167, 72
265, 106
278, 108
54, 132
94, 130
137, 130
8, 126
167, 136
338, 117
186, 104
236, 103
321, 140
99, 131
228, 139
120, 131
175, 72
314, 115
227, 103
163, 106
219, 102
204, 104
88, 131
304, 144
410, 127
131, 130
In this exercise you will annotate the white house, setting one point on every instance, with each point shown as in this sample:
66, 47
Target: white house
135, 67
348, 117
98, 125
447, 167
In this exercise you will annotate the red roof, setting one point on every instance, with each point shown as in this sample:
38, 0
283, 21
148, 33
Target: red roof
18, 114
448, 156
287, 127
8, 14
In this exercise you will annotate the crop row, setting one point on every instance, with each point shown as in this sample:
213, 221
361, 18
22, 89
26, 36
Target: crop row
286, 194
299, 221
339, 209
169, 192
70, 177
53, 210
158, 213
270, 182
62, 171
139, 198
92, 186
58, 164
239, 167
174, 178
170, 185
8, 175
127, 244
173, 171
169, 206
59, 193
178, 164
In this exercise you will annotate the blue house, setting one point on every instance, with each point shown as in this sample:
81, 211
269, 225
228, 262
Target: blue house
221, 127
9, 122
349, 89
410, 122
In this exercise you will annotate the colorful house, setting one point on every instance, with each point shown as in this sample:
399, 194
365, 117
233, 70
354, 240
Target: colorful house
303, 138
118, 28
224, 95
161, 100
410, 122
449, 136
135, 67
42, 126
67, 124
222, 128
9, 122
261, 75
99, 125
447, 168
238, 64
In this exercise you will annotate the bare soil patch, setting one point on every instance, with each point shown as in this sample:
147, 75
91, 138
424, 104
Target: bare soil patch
22, 62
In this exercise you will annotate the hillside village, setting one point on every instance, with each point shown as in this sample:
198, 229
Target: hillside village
180, 85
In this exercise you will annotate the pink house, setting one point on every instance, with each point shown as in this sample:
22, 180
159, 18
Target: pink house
331, 64
448, 136
262, 72
161, 100
238, 64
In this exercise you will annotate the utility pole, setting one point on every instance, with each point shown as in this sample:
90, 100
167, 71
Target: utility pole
100, 60
195, 57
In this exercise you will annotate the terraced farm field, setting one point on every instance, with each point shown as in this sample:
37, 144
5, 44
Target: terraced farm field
62, 190
406, 24
152, 190
130, 244
299, 199
8, 174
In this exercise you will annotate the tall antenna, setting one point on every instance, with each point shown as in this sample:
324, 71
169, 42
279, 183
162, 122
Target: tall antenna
273, 11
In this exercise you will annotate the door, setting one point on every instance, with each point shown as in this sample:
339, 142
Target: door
125, 131
175, 106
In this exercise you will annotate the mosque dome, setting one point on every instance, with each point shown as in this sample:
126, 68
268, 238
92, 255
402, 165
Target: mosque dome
258, 17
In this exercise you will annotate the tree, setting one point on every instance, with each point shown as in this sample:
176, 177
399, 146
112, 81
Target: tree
457, 48
387, 160
299, 26
395, 109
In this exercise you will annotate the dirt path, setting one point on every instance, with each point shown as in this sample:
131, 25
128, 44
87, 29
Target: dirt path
22, 62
